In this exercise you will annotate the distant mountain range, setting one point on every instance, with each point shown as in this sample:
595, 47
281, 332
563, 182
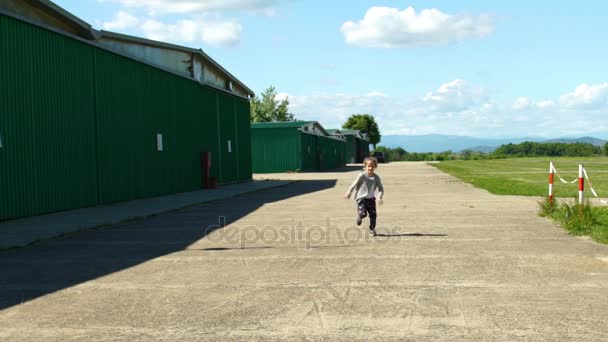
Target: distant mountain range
456, 143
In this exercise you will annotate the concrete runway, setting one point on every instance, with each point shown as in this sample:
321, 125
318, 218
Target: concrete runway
452, 262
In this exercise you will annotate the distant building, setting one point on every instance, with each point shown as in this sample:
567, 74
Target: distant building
357, 144
295, 146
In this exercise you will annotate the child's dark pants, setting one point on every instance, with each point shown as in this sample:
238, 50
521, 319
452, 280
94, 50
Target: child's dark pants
367, 206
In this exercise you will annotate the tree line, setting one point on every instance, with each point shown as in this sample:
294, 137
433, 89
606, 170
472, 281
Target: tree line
524, 149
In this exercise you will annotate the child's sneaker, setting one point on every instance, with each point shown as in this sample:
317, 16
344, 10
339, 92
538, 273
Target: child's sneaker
372, 232
359, 220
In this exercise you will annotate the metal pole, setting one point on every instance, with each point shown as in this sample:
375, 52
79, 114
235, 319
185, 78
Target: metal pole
581, 184
551, 179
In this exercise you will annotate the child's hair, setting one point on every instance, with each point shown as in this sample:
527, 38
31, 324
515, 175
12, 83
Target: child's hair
371, 160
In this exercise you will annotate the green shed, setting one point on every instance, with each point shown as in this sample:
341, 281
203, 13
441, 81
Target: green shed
363, 150
357, 144
294, 146
81, 125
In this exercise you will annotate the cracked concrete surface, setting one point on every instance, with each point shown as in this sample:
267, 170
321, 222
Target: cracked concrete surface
453, 262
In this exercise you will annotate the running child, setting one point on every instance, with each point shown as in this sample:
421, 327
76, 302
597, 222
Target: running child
365, 187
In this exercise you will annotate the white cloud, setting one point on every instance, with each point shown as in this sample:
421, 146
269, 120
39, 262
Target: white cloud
221, 33
454, 96
281, 97
388, 27
522, 103
123, 20
376, 94
210, 31
193, 6
200, 20
545, 104
455, 107
332, 110
586, 97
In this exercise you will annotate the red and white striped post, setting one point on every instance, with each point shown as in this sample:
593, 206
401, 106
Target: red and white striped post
551, 179
581, 184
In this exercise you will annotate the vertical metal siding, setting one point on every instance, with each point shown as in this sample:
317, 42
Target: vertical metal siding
362, 149
331, 153
48, 162
243, 135
17, 173
310, 155
126, 142
137, 102
275, 149
351, 149
207, 131
227, 134
79, 126
323, 152
323, 145
341, 148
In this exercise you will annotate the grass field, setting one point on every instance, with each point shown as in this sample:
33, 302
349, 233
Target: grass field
529, 177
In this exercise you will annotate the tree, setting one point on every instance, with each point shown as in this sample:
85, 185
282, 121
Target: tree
366, 124
606, 148
400, 152
536, 149
269, 109
466, 154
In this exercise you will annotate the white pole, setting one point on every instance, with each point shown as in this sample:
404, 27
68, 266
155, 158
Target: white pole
551, 178
581, 184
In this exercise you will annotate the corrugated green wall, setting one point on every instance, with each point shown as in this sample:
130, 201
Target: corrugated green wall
288, 149
78, 126
310, 157
235, 138
47, 162
331, 153
275, 150
243, 135
362, 149
351, 149
134, 104
340, 153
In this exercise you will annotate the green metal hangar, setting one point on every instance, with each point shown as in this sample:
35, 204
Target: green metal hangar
357, 144
295, 146
225, 103
90, 117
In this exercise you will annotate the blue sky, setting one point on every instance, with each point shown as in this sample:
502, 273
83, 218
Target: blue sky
477, 68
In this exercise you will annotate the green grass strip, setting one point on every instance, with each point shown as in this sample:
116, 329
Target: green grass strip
530, 177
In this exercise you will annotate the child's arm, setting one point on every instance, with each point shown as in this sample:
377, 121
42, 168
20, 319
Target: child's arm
380, 190
352, 187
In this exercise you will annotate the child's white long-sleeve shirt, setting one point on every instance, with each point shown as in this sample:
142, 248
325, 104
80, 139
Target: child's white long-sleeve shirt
366, 186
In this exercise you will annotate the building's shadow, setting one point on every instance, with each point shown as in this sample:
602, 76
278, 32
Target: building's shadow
346, 168
31, 272
407, 234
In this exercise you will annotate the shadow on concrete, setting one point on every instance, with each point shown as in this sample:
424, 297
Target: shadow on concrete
347, 168
409, 234
304, 247
57, 264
